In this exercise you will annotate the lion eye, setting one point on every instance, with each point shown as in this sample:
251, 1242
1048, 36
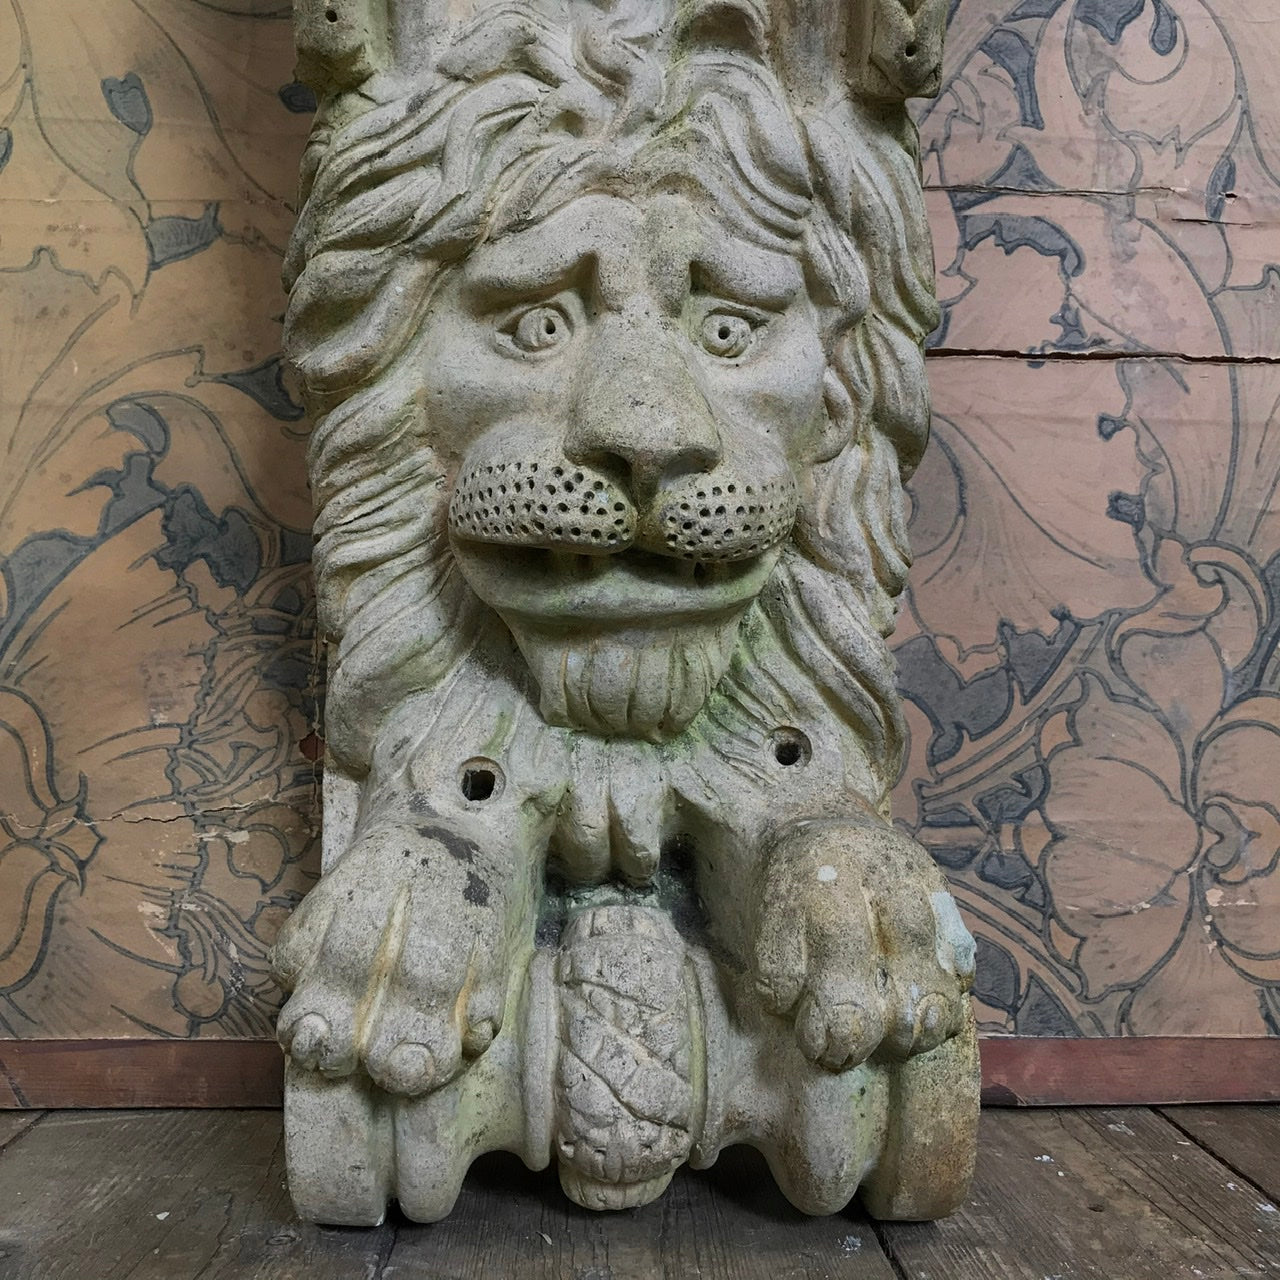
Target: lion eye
541, 328
726, 335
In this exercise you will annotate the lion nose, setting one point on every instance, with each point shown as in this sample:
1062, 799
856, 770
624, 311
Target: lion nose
638, 408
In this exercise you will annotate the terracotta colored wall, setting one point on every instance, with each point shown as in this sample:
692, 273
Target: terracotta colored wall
1089, 650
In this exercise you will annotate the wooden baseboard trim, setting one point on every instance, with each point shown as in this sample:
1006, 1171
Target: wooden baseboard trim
140, 1073
1151, 1071
1137, 1071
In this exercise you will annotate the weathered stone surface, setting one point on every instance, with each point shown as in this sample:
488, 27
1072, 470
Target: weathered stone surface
609, 316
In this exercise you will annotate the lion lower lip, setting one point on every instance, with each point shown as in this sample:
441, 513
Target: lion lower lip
630, 585
572, 565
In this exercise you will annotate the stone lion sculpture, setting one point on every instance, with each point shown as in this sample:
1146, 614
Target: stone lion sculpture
609, 315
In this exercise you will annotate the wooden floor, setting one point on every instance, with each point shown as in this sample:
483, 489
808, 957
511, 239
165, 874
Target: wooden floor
1120, 1194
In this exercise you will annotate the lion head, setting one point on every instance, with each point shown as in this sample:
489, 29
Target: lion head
605, 335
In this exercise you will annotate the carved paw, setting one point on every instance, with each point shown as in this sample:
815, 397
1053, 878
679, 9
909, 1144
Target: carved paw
859, 942
397, 961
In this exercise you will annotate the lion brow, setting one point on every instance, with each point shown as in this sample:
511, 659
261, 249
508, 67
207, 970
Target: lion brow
505, 282
763, 279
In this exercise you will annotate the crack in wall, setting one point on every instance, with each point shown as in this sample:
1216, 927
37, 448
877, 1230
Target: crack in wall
1112, 356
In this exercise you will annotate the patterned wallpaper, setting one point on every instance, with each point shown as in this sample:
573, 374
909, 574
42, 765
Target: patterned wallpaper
1089, 651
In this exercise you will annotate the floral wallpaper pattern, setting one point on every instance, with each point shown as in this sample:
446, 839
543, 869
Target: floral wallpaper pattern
156, 812
1088, 651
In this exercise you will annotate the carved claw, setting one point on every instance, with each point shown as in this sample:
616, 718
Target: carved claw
397, 963
860, 943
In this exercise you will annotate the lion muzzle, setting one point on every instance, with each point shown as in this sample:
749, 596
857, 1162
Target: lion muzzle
734, 512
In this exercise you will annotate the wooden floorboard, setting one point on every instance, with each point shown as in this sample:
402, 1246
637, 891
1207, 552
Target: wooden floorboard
730, 1221
1115, 1194
164, 1195
1120, 1194
1246, 1139
15, 1123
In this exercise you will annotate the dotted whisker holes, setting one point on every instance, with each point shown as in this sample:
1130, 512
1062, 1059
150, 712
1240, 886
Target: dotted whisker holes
701, 522
480, 779
517, 503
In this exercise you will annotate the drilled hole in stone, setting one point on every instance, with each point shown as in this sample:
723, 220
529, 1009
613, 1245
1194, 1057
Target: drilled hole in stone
790, 747
480, 779
910, 51
331, 15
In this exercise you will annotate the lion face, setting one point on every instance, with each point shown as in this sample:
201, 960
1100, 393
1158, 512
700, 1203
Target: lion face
629, 392
604, 332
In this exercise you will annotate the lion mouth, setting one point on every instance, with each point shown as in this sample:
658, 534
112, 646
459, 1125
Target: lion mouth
624, 587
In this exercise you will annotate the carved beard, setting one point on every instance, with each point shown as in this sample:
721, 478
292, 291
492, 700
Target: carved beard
637, 681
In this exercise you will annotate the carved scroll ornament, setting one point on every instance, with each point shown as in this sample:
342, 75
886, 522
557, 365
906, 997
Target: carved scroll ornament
609, 314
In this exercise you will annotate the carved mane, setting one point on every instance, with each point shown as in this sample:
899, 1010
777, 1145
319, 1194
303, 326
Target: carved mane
528, 107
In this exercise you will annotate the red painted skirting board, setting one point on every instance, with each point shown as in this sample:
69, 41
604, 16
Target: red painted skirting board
1015, 1072
140, 1073
1146, 1071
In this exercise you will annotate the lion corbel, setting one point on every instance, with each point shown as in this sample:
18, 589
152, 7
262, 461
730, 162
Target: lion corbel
609, 315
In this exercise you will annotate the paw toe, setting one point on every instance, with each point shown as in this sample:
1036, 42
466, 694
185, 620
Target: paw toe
317, 1041
408, 1069
836, 1029
478, 1036
413, 1055
483, 1021
306, 1039
934, 1021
